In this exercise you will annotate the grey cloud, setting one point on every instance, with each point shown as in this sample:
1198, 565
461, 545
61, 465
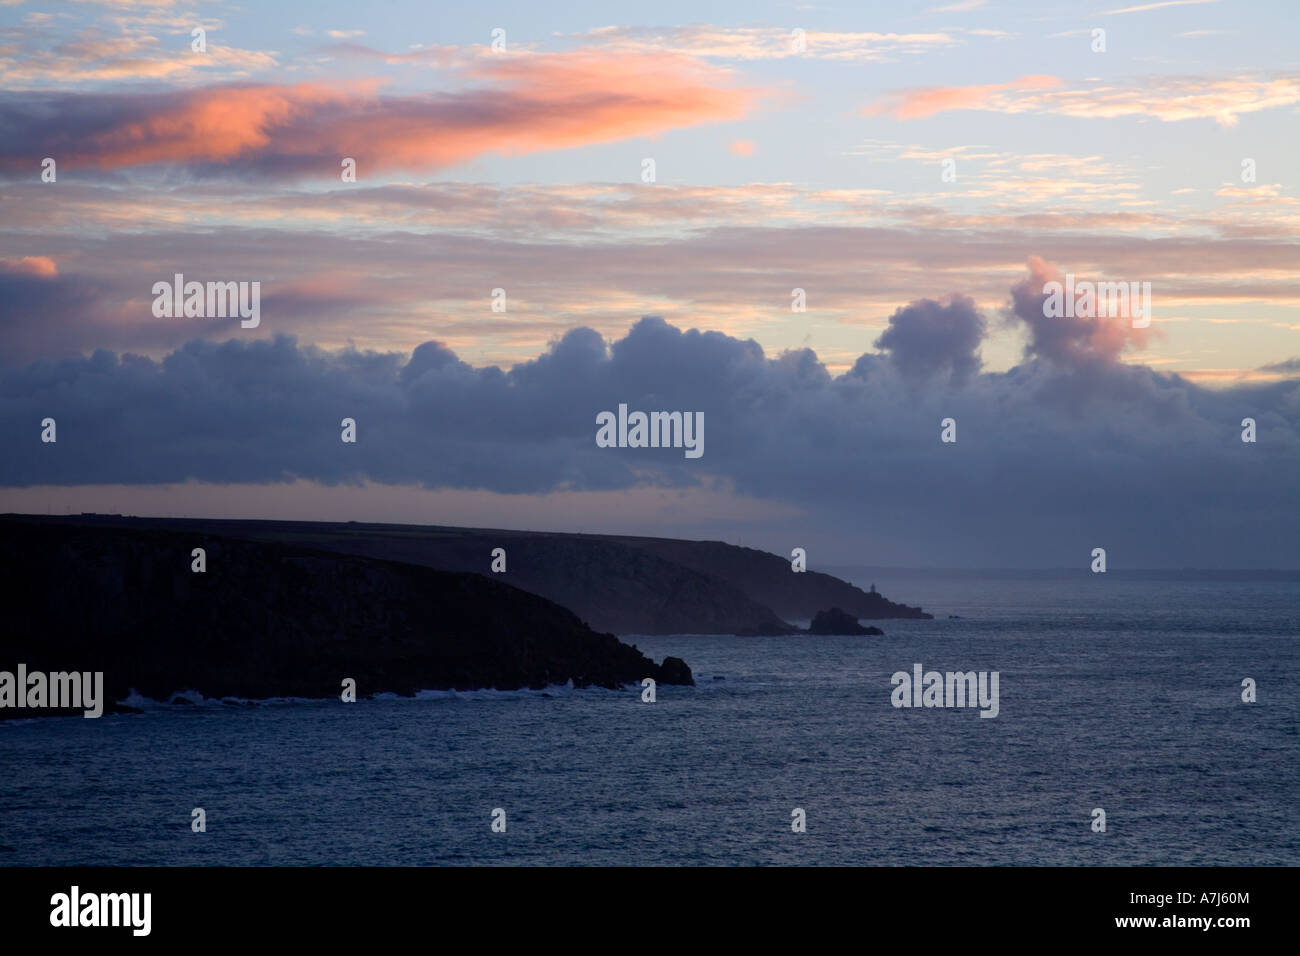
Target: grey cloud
401, 288
1287, 366
1147, 465
928, 337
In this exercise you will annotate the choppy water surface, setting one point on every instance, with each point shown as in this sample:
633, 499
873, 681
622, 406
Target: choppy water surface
1117, 692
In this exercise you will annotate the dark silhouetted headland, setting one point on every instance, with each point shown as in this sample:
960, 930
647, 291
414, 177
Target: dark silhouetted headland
617, 584
274, 620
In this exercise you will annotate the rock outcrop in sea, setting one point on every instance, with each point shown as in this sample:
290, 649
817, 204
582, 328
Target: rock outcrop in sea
837, 621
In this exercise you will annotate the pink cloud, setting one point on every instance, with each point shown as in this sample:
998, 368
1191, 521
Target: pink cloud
1167, 98
527, 103
1073, 339
42, 267
929, 100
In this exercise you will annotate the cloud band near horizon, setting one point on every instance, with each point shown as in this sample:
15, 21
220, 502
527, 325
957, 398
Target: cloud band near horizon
1071, 441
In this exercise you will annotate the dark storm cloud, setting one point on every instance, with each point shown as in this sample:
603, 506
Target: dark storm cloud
927, 337
1053, 457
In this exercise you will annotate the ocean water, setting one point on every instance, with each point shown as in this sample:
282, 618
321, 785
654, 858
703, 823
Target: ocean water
1119, 691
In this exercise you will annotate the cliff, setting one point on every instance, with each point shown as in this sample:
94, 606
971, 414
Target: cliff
618, 584
765, 577
610, 585
269, 619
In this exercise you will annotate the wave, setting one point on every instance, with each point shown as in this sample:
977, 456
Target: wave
181, 699
186, 699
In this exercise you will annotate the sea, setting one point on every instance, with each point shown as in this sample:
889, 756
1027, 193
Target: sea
1119, 692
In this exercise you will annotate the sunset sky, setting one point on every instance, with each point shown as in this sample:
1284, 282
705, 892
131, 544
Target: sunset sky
794, 146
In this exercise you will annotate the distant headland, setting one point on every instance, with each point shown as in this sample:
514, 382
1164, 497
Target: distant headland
615, 583
291, 609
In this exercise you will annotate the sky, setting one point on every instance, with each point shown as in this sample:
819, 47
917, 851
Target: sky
825, 228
